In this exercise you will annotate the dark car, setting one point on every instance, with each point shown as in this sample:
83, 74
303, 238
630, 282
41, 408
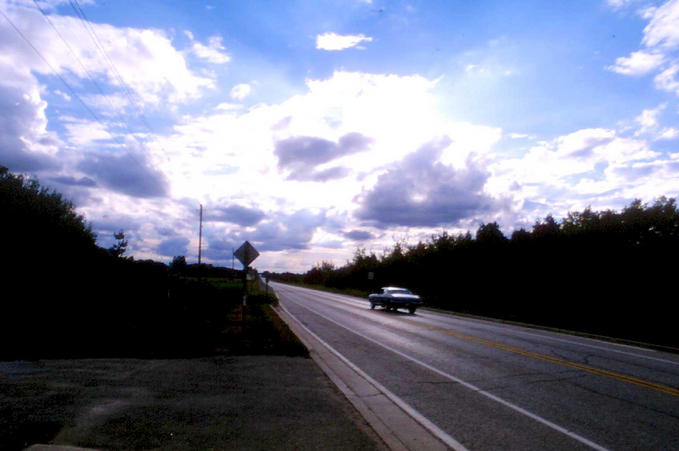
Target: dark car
393, 298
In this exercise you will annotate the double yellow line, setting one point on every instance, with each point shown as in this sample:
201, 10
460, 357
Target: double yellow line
590, 369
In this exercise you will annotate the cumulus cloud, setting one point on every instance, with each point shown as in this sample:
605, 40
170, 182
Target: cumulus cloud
619, 4
143, 60
73, 181
172, 247
291, 232
421, 191
660, 41
662, 30
82, 132
667, 79
25, 143
553, 163
294, 231
236, 214
128, 173
638, 63
359, 235
334, 41
302, 154
240, 91
212, 52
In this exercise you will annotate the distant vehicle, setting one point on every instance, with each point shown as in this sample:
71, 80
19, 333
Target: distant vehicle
393, 298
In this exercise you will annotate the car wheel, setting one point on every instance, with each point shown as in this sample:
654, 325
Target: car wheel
411, 310
372, 306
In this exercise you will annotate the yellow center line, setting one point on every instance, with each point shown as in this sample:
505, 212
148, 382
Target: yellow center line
590, 369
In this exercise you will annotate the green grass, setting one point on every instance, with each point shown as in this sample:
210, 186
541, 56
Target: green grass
255, 329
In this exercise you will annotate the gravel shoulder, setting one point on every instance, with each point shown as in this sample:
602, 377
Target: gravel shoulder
240, 402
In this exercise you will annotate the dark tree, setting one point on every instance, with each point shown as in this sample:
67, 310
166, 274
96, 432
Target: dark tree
38, 222
490, 234
120, 246
178, 264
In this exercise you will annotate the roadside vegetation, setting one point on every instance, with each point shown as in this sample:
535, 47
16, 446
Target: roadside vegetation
603, 272
64, 296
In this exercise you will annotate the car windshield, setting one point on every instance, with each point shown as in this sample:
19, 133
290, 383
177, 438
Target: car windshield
399, 291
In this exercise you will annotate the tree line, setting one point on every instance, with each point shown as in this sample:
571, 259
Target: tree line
606, 272
64, 296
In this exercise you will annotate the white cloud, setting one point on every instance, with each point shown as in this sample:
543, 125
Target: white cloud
520, 136
663, 28
648, 120
63, 95
619, 4
230, 153
226, 106
638, 63
649, 125
554, 163
667, 81
668, 133
109, 104
81, 132
334, 41
144, 59
661, 41
213, 52
240, 91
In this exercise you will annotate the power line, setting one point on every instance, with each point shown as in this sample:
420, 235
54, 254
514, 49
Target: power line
68, 86
87, 72
75, 94
126, 88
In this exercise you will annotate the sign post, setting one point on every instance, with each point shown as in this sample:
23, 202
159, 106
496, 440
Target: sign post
245, 254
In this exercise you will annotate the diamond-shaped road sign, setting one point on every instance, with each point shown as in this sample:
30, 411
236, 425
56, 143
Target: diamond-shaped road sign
246, 254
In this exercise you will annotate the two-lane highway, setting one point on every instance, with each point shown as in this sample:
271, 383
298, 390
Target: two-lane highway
496, 386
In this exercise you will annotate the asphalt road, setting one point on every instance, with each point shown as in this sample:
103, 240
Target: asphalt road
496, 386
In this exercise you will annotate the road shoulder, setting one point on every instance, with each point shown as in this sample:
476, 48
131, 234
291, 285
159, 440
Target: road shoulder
391, 419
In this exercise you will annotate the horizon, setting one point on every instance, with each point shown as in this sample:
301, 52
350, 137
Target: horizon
314, 129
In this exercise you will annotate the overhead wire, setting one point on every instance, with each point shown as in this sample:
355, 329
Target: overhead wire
54, 71
65, 83
129, 92
93, 35
82, 65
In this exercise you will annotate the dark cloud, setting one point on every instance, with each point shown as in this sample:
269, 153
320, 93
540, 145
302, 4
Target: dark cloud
19, 118
359, 235
173, 246
283, 232
72, 181
108, 225
328, 174
354, 142
419, 191
165, 231
235, 214
218, 249
129, 173
302, 154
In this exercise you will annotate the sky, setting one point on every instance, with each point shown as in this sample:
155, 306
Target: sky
314, 128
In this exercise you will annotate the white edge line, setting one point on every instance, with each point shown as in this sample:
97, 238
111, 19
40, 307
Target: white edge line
521, 410
427, 424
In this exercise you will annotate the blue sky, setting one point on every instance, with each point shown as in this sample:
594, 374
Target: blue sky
314, 128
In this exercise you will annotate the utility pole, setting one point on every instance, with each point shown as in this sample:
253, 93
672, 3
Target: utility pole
200, 235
